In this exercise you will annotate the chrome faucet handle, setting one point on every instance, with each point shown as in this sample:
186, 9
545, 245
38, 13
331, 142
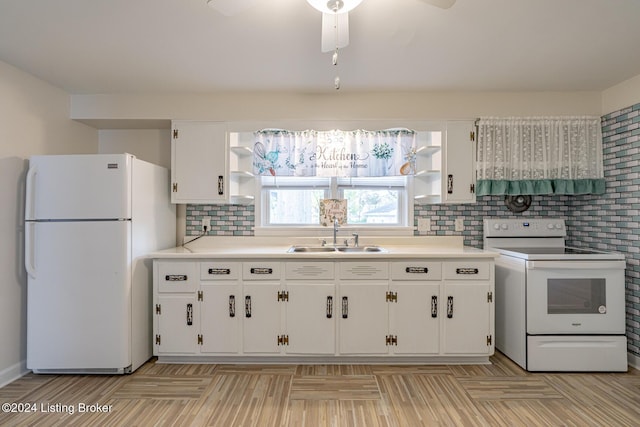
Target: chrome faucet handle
323, 242
355, 239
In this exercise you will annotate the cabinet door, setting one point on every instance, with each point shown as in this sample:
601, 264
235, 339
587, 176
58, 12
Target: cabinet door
221, 308
199, 165
262, 321
466, 311
178, 324
310, 318
459, 174
363, 317
414, 318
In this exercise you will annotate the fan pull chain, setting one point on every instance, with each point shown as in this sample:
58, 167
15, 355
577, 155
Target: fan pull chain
334, 59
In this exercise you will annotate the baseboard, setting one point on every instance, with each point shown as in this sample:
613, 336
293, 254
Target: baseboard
634, 361
12, 373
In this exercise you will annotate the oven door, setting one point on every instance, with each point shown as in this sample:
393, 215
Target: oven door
575, 297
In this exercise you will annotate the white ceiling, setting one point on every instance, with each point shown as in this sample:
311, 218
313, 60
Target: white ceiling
184, 46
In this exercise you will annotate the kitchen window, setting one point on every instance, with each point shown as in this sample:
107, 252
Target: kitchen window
372, 202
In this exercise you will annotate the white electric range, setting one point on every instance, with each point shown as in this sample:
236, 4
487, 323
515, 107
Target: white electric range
558, 308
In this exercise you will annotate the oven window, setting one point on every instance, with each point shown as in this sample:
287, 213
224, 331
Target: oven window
576, 296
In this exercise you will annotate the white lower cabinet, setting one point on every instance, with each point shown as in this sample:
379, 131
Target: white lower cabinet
310, 313
414, 318
220, 311
364, 322
317, 308
468, 300
467, 320
177, 324
262, 318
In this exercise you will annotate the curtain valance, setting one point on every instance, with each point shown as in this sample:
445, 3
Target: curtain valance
540, 155
334, 153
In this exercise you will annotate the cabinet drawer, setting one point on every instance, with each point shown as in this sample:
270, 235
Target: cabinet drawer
467, 270
309, 270
363, 270
261, 270
177, 276
219, 270
416, 270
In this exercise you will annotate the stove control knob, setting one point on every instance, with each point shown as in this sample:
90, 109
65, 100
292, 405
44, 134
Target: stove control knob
496, 226
550, 226
559, 226
504, 226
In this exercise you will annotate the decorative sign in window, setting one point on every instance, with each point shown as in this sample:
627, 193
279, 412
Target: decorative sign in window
333, 210
358, 153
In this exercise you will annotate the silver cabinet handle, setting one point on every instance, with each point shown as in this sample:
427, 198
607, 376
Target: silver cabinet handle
232, 306
345, 307
450, 184
329, 307
247, 306
449, 307
220, 185
189, 314
434, 306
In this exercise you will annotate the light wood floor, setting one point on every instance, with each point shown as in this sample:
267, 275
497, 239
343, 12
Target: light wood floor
500, 394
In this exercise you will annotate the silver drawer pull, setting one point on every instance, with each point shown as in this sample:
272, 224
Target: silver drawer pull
175, 277
219, 271
434, 306
232, 306
247, 306
416, 270
261, 270
467, 271
449, 307
189, 314
345, 307
329, 307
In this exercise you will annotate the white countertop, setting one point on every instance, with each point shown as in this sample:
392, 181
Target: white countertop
277, 247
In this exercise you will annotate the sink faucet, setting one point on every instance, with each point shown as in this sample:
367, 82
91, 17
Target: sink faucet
335, 231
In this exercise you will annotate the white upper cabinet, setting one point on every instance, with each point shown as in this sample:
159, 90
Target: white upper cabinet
445, 164
459, 171
199, 162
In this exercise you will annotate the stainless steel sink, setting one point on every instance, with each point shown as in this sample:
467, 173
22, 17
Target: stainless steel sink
362, 249
343, 249
311, 249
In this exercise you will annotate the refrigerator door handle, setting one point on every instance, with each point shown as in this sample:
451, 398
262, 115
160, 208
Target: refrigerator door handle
29, 242
30, 194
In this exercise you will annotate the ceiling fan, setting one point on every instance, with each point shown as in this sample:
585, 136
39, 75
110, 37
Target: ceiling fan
335, 18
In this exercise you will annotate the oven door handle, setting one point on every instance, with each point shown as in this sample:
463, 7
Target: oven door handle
575, 265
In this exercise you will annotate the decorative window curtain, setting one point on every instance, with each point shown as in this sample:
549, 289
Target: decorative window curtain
358, 153
540, 155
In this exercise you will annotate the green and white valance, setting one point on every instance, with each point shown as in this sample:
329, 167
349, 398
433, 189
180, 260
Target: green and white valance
540, 155
358, 153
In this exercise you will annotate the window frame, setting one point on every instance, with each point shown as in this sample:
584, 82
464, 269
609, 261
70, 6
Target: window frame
405, 210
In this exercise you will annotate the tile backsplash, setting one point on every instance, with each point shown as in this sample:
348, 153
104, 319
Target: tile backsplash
607, 222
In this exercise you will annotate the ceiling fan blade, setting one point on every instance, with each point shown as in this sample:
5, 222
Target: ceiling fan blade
335, 31
230, 7
442, 4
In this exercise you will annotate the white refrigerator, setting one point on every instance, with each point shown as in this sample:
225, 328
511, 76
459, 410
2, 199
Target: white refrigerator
89, 222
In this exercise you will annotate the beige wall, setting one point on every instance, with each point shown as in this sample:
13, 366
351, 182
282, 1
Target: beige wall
34, 118
123, 111
151, 145
621, 96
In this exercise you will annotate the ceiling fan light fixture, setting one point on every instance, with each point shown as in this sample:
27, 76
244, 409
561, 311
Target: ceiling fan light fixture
334, 6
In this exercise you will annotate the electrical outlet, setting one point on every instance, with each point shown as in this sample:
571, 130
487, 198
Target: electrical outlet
459, 226
424, 224
206, 222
